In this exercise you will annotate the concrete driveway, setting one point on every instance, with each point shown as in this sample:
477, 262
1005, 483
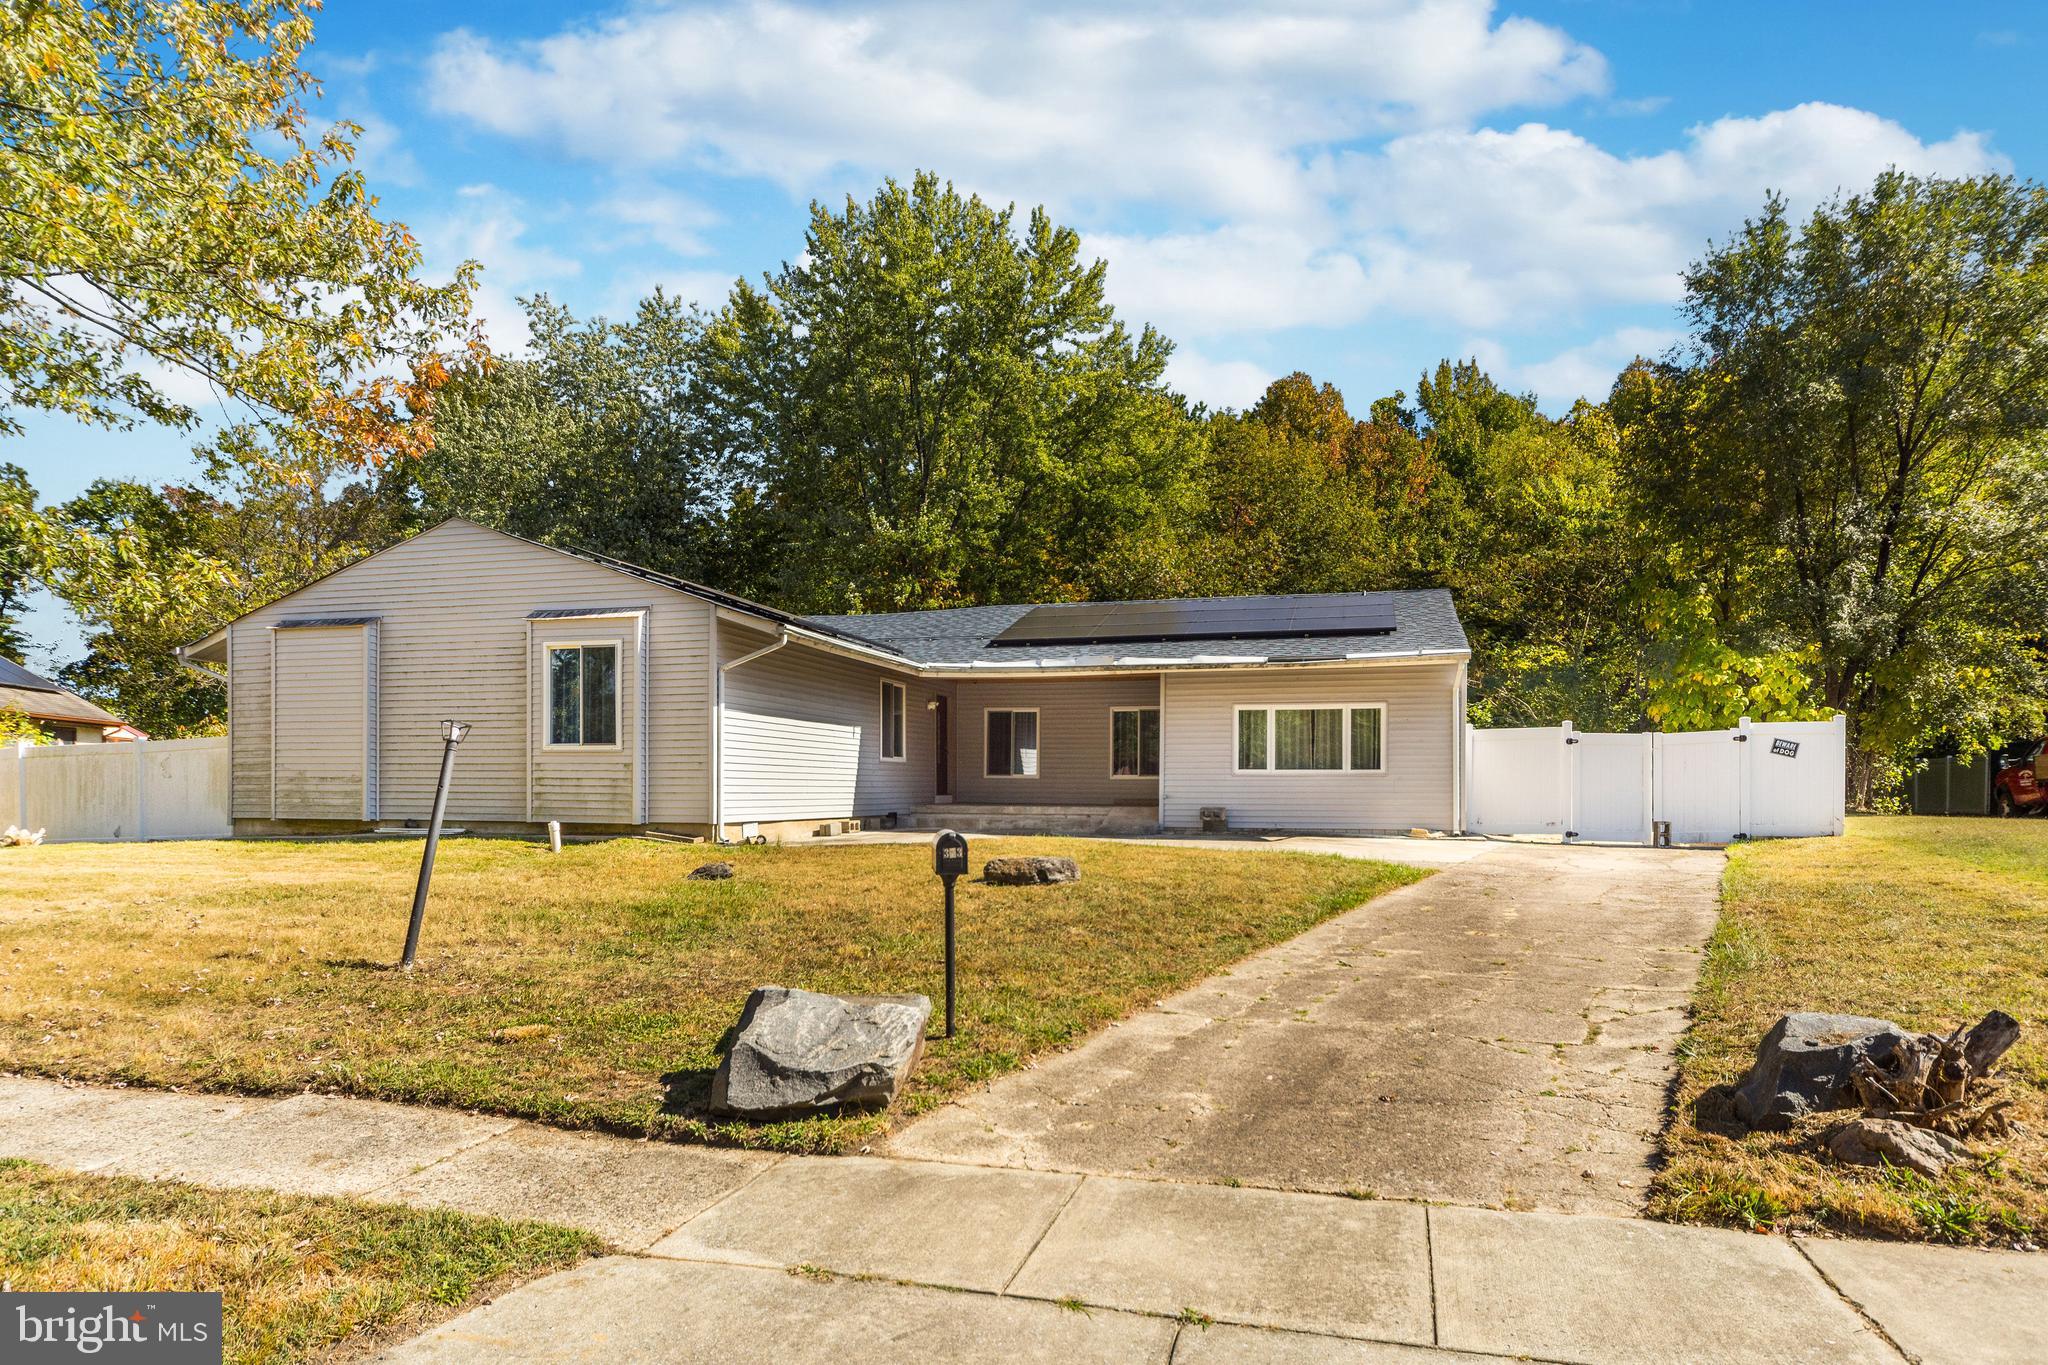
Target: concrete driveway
1498, 1034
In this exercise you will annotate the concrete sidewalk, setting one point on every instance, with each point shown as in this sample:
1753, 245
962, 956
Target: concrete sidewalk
746, 1257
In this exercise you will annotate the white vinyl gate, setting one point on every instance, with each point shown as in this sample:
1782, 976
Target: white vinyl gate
1782, 779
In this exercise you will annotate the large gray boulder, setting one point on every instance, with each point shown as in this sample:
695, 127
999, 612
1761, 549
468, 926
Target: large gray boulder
799, 1052
1038, 871
1806, 1064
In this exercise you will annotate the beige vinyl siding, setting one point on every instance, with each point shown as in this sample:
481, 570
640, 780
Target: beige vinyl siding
1073, 741
453, 606
803, 735
1199, 743
322, 746
588, 784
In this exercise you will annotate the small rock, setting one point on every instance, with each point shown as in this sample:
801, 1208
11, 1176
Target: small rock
798, 1052
1872, 1142
1036, 871
711, 872
1805, 1063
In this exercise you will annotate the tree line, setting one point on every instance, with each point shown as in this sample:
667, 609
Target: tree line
1831, 497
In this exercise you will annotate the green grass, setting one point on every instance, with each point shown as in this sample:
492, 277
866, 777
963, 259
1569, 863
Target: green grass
297, 1276
1925, 921
595, 987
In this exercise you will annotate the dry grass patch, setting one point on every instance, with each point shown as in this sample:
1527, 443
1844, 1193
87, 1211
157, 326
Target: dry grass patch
593, 988
299, 1278
1928, 922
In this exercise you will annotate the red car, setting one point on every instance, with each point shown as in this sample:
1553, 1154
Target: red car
2019, 782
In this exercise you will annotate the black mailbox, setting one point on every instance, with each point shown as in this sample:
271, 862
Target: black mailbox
949, 854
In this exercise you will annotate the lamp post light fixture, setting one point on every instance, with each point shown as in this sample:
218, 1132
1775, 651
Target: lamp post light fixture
452, 733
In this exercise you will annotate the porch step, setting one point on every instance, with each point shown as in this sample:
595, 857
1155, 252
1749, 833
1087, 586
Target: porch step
1026, 819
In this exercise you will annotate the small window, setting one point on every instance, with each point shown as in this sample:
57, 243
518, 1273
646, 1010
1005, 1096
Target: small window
893, 702
1312, 739
1308, 740
583, 694
1251, 740
1012, 748
1134, 742
1366, 722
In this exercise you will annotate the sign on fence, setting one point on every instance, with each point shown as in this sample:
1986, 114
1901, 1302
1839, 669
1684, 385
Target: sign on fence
1782, 779
143, 789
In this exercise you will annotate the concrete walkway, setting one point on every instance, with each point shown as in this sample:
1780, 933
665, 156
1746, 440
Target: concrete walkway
741, 1257
1499, 1034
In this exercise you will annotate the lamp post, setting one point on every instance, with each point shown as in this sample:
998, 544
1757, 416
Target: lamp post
452, 732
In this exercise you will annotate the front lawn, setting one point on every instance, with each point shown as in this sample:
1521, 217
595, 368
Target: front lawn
1925, 921
297, 1276
566, 987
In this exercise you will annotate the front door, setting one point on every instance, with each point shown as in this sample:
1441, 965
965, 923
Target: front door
944, 786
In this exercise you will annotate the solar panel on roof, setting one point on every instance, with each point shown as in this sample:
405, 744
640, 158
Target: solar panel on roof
1210, 618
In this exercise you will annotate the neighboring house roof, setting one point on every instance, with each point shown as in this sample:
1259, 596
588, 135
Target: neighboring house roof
44, 700
1425, 623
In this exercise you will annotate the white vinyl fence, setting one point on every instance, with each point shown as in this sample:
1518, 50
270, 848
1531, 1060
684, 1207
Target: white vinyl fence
1783, 779
147, 789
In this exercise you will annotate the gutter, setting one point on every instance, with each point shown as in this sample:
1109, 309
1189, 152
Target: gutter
718, 728
201, 669
1205, 664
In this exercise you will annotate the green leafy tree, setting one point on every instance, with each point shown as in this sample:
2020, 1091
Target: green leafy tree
17, 559
18, 727
592, 442
935, 405
1850, 463
167, 210
148, 569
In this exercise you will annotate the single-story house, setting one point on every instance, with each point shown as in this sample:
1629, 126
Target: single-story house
611, 697
62, 715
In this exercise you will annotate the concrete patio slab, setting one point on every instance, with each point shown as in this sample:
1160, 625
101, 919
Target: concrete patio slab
1448, 1041
1226, 1345
1945, 1305
1621, 1292
315, 1144
84, 1129
1248, 1256
633, 1311
965, 1226
629, 1193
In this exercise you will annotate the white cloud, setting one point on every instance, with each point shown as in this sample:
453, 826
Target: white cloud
1484, 228
1219, 383
1317, 164
1583, 371
489, 226
1210, 106
380, 156
669, 220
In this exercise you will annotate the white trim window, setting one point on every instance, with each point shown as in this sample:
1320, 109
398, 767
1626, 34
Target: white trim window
895, 710
1311, 739
1009, 743
1134, 741
582, 694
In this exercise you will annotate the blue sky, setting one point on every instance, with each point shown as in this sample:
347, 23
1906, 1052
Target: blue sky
1351, 189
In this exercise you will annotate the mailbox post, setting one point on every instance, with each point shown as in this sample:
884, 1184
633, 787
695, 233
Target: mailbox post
949, 860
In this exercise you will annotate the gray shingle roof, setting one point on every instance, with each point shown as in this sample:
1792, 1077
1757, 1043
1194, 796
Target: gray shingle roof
1426, 622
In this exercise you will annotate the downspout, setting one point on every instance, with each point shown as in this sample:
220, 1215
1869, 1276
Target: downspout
718, 733
1460, 747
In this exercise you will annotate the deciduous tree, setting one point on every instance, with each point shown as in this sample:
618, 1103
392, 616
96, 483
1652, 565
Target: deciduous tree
171, 222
